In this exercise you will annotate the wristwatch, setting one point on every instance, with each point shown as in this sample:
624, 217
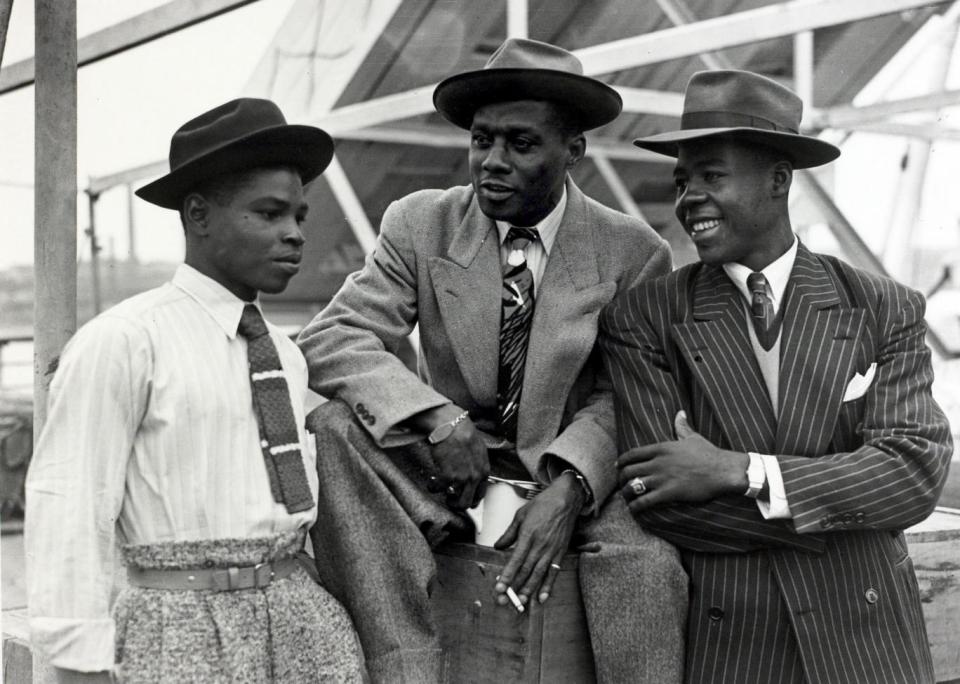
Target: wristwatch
587, 492
444, 430
756, 476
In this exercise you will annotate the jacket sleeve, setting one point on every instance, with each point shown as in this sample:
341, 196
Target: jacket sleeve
646, 379
75, 488
589, 441
351, 345
891, 481
894, 478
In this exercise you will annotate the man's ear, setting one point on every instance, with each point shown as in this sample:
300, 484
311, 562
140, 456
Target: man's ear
576, 149
782, 177
196, 210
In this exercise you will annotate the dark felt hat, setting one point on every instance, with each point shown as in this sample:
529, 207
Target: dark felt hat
746, 106
242, 134
524, 69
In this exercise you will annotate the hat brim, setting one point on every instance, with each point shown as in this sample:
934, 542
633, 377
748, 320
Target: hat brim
593, 102
803, 151
306, 148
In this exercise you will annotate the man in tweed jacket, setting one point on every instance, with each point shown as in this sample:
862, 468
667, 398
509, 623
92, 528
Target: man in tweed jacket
439, 264
808, 438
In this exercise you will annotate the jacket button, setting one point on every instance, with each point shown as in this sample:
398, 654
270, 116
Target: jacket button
871, 595
716, 614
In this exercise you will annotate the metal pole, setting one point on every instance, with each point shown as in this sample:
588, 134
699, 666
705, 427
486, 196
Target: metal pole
131, 226
803, 69
55, 204
94, 252
517, 19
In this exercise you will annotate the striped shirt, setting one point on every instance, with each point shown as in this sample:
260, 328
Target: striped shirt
150, 437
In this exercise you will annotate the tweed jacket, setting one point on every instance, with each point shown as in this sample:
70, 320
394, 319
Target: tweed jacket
835, 582
437, 265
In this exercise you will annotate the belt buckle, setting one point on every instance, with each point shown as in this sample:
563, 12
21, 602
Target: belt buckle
262, 574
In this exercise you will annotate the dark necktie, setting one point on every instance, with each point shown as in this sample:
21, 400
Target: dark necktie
279, 434
765, 322
516, 315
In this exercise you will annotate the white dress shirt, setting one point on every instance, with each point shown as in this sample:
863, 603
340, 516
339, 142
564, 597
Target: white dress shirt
536, 252
777, 275
150, 437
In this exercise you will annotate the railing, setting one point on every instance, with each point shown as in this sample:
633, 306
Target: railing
10, 376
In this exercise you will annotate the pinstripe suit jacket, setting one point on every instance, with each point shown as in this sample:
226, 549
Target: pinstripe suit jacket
829, 596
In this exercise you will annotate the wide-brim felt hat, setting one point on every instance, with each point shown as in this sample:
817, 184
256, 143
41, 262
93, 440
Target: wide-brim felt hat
523, 69
242, 134
745, 106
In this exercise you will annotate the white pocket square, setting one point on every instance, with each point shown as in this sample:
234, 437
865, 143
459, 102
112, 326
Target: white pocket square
858, 384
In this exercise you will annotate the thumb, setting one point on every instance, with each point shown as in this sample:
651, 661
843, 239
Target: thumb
682, 427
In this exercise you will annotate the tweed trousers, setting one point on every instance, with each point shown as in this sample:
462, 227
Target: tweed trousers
291, 631
377, 525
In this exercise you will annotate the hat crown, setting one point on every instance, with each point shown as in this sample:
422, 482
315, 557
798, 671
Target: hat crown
222, 126
741, 98
523, 53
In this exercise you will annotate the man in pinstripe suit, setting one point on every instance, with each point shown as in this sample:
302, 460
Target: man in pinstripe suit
778, 428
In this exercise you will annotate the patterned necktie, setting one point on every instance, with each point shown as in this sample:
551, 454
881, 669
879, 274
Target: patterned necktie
765, 322
516, 314
279, 435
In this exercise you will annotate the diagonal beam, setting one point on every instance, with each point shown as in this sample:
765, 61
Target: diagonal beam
6, 6
854, 117
928, 132
680, 14
617, 187
773, 21
135, 31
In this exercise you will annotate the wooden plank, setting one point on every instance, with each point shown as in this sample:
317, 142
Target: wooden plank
935, 550
489, 644
125, 35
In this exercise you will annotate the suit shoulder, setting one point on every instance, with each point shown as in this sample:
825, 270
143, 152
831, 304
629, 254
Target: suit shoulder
430, 207
622, 227
871, 288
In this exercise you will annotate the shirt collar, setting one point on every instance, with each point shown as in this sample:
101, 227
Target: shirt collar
776, 273
548, 226
223, 306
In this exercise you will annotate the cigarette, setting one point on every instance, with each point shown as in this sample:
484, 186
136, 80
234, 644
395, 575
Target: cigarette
514, 599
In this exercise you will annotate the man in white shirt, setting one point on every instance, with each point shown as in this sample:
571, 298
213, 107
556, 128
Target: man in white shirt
505, 279
775, 411
175, 428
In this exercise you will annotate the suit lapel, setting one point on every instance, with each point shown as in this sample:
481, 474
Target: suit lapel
717, 350
564, 325
467, 286
819, 340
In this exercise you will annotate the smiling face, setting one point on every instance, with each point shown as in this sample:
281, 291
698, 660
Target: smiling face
520, 153
732, 201
245, 232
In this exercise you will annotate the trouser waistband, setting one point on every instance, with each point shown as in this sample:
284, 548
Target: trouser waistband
212, 579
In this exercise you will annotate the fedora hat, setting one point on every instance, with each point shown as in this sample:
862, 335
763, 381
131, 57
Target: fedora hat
242, 134
746, 106
522, 69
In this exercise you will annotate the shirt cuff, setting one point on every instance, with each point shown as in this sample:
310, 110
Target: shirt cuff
777, 508
75, 643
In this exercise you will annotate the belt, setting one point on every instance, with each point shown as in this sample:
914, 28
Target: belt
212, 579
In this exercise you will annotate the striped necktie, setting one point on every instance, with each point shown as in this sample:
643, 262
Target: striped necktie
279, 434
516, 315
765, 322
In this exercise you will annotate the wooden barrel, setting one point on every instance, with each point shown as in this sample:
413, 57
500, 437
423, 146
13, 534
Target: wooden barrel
488, 643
